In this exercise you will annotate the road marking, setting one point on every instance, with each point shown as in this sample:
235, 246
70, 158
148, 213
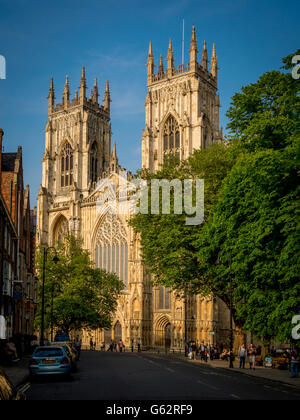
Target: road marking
234, 396
170, 370
24, 388
208, 385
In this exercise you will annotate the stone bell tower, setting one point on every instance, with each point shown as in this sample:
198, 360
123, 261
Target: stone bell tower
182, 106
77, 153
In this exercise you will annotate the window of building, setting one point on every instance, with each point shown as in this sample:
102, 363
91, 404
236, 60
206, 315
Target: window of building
94, 163
171, 137
67, 166
112, 248
164, 301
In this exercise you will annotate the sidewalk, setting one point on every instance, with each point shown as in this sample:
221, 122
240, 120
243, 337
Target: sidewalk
275, 375
18, 373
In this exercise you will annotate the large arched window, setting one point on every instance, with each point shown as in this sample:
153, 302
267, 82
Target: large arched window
164, 298
171, 137
94, 163
112, 248
61, 230
66, 166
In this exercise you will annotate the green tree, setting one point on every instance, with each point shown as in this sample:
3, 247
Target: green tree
168, 244
265, 114
255, 225
83, 296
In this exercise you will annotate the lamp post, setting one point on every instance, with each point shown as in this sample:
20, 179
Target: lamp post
55, 260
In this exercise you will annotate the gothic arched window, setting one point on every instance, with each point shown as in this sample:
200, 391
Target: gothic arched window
112, 248
164, 298
171, 137
94, 163
61, 230
66, 166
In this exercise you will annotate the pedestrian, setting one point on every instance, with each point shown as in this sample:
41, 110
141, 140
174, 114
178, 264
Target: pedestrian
91, 344
242, 354
139, 348
77, 345
111, 346
294, 365
194, 349
121, 346
103, 346
252, 354
132, 346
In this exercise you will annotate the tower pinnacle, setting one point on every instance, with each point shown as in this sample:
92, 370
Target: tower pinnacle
193, 51
83, 86
51, 97
66, 95
170, 60
204, 60
107, 99
214, 63
150, 64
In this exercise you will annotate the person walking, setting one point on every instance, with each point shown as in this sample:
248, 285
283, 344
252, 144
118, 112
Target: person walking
91, 344
132, 346
139, 348
294, 366
194, 350
252, 353
121, 346
242, 354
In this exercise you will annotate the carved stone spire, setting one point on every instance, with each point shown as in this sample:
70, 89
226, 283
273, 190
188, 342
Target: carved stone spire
170, 60
51, 98
214, 63
66, 95
193, 51
204, 60
95, 92
107, 99
161, 67
83, 86
150, 64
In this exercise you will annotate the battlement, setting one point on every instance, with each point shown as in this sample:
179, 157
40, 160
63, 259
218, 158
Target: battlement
200, 68
79, 99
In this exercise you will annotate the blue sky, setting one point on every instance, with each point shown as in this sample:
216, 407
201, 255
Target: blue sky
40, 39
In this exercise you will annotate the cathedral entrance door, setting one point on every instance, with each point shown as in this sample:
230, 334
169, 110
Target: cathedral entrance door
118, 332
168, 336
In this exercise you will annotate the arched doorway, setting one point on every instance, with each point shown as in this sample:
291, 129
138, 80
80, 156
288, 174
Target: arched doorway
118, 332
168, 335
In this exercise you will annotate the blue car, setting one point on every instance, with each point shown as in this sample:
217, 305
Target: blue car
50, 361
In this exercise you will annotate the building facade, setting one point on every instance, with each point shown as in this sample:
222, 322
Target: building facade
18, 292
182, 114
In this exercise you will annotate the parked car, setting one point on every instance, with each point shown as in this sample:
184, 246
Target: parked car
50, 360
70, 350
7, 391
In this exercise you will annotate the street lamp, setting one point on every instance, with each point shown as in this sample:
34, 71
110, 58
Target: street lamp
55, 260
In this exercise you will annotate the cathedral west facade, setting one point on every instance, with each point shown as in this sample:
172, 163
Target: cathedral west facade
182, 114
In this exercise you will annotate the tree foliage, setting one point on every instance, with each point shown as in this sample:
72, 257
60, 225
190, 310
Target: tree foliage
83, 296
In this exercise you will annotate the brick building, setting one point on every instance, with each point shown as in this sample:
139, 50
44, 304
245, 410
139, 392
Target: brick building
18, 285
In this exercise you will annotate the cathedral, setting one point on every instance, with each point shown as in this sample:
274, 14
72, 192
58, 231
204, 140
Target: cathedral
182, 114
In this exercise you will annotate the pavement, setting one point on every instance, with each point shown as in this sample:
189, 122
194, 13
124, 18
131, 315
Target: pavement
153, 377
18, 372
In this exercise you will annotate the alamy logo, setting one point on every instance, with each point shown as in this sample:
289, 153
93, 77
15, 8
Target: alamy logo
2, 67
296, 69
296, 329
138, 197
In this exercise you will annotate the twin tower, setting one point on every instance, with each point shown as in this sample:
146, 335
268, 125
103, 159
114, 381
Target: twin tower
182, 106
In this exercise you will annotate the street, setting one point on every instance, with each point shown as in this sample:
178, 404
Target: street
146, 376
